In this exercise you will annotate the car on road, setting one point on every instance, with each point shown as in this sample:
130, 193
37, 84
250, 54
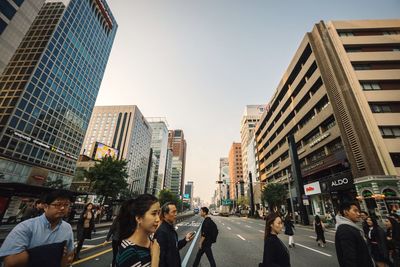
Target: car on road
196, 210
214, 213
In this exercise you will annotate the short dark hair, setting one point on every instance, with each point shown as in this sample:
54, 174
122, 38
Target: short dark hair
50, 197
165, 207
205, 210
363, 211
346, 206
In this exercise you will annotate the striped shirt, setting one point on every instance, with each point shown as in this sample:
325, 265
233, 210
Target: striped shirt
131, 255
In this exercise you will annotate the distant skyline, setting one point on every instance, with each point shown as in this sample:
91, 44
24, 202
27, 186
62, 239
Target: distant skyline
199, 63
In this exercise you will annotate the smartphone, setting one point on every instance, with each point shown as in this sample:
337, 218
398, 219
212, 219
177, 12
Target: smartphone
193, 233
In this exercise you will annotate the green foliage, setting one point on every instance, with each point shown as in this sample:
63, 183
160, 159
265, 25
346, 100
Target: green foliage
243, 201
274, 194
167, 196
108, 177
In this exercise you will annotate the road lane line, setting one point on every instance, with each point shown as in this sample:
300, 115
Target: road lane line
261, 224
223, 224
92, 256
229, 228
313, 237
248, 226
261, 231
241, 237
189, 252
320, 252
95, 246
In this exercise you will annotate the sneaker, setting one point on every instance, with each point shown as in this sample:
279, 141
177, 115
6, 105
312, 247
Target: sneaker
290, 246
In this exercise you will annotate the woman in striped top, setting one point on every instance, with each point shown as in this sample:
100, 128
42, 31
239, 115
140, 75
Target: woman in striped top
138, 220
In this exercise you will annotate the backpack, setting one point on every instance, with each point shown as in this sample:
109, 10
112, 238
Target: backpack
213, 231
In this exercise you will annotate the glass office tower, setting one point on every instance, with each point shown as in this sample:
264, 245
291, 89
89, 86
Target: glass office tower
49, 88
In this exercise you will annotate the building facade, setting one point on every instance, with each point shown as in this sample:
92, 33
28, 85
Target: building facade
224, 180
177, 142
159, 145
340, 100
125, 129
48, 90
236, 171
188, 193
15, 19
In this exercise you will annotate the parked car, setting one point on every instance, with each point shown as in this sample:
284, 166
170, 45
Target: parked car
196, 210
214, 213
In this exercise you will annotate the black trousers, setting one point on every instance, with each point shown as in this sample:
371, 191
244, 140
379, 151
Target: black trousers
115, 251
209, 255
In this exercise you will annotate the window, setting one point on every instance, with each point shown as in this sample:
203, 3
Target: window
345, 34
7, 9
396, 159
390, 131
361, 66
370, 86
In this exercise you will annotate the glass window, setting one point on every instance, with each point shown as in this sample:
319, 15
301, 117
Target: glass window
7, 9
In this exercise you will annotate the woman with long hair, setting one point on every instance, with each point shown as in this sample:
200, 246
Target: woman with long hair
377, 243
275, 252
84, 227
289, 230
138, 220
319, 229
393, 240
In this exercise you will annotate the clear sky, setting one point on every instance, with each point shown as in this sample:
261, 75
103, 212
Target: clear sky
198, 63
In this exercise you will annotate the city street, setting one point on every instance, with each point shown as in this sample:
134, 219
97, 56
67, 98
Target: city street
240, 243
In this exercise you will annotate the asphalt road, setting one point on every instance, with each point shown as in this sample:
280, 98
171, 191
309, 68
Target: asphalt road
240, 243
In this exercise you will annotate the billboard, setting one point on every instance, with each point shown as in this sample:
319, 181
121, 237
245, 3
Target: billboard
101, 151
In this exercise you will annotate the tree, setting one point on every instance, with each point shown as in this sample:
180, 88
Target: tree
167, 196
274, 194
243, 201
108, 177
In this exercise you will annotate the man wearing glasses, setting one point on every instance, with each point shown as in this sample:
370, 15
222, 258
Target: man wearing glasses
47, 229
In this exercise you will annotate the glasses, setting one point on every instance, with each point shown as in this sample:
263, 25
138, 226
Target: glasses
59, 205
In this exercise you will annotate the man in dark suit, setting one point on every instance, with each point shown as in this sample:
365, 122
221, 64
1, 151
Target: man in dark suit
350, 243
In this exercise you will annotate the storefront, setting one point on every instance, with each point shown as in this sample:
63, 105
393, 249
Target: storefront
378, 194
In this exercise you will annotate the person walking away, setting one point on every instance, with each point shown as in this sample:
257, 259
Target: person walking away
364, 215
350, 244
209, 233
84, 227
276, 253
289, 230
114, 233
377, 242
45, 230
167, 237
138, 219
393, 240
319, 229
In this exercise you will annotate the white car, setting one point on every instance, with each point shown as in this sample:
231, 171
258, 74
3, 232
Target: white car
214, 213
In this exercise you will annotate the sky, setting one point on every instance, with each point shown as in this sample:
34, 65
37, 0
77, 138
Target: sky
199, 63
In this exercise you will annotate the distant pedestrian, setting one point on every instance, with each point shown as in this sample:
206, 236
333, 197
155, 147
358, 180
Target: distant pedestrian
138, 219
167, 237
84, 227
289, 230
393, 240
209, 232
364, 215
319, 229
29, 211
350, 244
276, 253
378, 243
24, 243
114, 233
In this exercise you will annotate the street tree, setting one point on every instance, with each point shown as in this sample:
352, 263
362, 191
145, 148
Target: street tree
275, 195
108, 177
166, 195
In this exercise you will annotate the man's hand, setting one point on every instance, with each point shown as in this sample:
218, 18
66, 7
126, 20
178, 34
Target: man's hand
17, 260
189, 236
67, 258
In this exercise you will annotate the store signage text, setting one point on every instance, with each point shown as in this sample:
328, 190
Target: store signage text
319, 139
339, 182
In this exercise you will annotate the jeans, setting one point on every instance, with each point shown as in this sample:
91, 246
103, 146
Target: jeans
209, 254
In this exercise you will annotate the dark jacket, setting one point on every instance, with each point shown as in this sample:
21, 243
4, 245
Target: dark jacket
351, 247
365, 228
378, 244
275, 253
289, 226
114, 231
206, 232
167, 238
80, 233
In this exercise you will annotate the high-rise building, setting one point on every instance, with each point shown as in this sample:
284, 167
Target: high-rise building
189, 189
236, 171
250, 118
168, 171
224, 180
340, 99
177, 142
16, 16
125, 129
159, 145
49, 88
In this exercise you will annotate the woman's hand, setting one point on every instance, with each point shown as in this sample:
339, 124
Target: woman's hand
155, 253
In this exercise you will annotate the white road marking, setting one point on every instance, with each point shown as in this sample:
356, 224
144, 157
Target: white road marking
229, 228
261, 224
320, 252
248, 226
313, 237
261, 231
189, 252
241, 237
223, 224
100, 237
